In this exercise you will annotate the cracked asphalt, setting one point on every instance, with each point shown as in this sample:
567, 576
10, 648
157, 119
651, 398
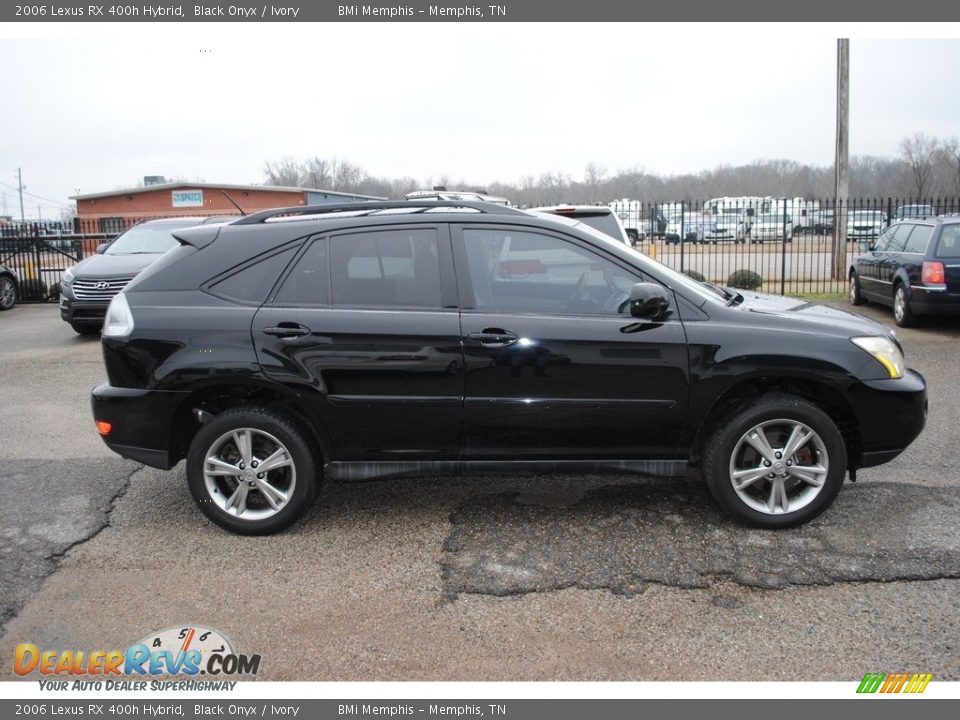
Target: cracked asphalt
555, 578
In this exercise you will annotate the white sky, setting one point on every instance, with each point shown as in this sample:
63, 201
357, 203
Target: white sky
94, 107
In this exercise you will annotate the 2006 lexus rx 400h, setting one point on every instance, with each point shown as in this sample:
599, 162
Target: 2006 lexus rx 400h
405, 339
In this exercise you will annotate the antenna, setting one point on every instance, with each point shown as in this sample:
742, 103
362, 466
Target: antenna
242, 211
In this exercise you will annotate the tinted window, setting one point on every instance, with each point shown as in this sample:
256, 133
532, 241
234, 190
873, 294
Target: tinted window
918, 239
388, 268
949, 246
606, 224
309, 281
895, 238
528, 272
253, 282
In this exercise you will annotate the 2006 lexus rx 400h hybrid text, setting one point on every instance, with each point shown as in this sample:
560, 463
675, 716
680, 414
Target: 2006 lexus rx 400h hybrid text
406, 339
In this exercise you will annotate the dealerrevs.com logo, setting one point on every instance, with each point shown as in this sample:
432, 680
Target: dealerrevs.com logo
191, 650
910, 683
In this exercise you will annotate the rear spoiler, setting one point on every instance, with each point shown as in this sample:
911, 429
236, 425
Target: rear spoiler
198, 236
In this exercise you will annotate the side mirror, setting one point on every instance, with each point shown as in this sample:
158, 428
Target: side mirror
648, 301
749, 212
102, 248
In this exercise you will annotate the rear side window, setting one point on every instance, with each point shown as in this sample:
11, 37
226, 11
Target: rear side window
949, 246
309, 281
919, 239
253, 282
895, 238
390, 268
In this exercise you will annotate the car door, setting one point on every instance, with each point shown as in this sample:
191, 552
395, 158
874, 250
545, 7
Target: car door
365, 327
888, 259
555, 366
868, 263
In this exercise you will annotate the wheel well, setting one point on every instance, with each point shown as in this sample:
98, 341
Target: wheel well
823, 396
215, 400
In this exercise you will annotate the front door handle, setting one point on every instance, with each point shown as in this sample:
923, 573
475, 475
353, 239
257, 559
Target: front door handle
287, 330
493, 337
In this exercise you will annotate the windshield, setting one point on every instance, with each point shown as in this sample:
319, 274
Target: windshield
866, 216
770, 219
146, 239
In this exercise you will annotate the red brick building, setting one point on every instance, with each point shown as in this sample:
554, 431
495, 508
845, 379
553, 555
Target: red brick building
118, 209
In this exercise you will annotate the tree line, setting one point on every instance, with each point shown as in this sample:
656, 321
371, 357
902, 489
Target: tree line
925, 167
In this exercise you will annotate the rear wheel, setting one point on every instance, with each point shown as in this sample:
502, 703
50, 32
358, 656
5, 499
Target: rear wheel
775, 463
902, 314
252, 471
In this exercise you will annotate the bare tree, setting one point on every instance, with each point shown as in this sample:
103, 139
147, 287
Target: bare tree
316, 173
593, 177
919, 152
285, 172
950, 150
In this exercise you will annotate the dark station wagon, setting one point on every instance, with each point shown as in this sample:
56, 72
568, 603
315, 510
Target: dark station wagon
411, 338
914, 267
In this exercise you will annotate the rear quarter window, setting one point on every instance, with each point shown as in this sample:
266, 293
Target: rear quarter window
949, 244
253, 282
919, 239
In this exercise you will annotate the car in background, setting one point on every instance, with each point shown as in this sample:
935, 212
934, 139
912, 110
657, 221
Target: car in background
729, 223
771, 226
441, 193
905, 212
688, 226
9, 288
914, 267
599, 217
823, 224
87, 288
865, 225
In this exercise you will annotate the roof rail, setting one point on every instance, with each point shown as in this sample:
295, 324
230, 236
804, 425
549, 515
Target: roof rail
367, 208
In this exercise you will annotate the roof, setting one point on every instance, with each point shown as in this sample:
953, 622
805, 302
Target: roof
216, 186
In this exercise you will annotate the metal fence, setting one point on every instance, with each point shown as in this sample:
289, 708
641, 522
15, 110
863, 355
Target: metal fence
779, 245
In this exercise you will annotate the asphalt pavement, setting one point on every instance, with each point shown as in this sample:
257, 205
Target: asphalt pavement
551, 578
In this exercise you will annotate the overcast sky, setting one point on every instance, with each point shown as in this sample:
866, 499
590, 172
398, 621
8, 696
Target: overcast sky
93, 108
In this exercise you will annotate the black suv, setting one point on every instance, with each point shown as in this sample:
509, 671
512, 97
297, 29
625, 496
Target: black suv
914, 266
401, 339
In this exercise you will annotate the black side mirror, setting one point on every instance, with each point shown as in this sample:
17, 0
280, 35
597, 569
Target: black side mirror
649, 301
102, 248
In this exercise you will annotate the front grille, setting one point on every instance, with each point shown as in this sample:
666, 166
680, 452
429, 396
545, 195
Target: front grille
102, 290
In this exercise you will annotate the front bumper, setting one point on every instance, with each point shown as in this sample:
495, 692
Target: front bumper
890, 415
82, 312
142, 421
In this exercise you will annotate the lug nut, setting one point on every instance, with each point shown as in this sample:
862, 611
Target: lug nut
779, 455
789, 462
254, 463
241, 466
260, 475
766, 463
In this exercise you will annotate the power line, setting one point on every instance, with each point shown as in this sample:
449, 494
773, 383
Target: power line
38, 197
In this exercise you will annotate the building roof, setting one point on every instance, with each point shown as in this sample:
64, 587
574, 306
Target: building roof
217, 186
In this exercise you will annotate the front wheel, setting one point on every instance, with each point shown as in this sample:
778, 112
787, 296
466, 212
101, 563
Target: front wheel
252, 471
856, 296
775, 463
8, 293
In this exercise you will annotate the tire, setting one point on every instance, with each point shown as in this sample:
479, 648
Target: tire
855, 296
902, 314
759, 501
83, 329
217, 461
8, 293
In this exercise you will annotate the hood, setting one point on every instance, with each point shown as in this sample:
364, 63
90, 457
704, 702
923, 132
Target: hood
821, 318
114, 265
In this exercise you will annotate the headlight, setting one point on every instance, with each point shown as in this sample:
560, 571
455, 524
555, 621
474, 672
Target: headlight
119, 320
68, 276
884, 351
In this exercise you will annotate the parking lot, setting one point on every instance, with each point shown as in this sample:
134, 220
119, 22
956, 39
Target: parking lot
546, 578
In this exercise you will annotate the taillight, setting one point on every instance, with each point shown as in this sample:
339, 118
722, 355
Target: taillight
103, 427
933, 273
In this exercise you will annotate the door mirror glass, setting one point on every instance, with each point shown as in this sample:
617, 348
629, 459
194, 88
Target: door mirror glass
102, 248
648, 301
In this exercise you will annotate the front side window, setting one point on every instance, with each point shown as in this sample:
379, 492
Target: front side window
390, 268
523, 271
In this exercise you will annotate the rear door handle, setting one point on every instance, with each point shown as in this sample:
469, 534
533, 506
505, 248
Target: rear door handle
493, 337
287, 330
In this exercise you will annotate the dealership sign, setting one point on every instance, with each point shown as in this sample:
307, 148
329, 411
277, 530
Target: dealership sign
187, 198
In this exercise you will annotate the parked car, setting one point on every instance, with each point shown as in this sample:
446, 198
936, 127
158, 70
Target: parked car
87, 288
771, 226
599, 217
304, 343
729, 223
865, 225
824, 222
9, 288
690, 226
904, 212
914, 267
441, 193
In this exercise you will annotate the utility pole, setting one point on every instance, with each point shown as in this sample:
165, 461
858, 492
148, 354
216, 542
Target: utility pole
23, 218
838, 253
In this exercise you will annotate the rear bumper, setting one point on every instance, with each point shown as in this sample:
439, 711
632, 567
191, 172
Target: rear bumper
142, 422
931, 301
890, 414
